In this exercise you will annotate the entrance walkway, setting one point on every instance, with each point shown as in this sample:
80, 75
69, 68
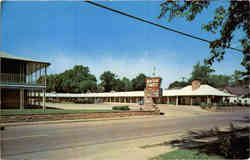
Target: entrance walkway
182, 110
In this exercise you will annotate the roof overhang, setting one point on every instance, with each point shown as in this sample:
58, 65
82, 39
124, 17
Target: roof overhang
4, 55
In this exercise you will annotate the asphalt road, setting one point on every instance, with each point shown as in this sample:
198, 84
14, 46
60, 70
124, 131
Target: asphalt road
21, 140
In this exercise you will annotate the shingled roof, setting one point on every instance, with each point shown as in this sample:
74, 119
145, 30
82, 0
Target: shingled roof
238, 91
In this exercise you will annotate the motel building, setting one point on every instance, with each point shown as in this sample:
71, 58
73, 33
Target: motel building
19, 80
20, 88
193, 94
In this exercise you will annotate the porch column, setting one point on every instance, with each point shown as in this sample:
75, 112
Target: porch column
36, 73
176, 100
37, 97
167, 100
44, 107
21, 99
191, 101
130, 99
30, 76
208, 99
44, 90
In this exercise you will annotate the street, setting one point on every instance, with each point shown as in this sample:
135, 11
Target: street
21, 141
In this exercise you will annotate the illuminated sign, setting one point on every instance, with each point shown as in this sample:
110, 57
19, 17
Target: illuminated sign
153, 85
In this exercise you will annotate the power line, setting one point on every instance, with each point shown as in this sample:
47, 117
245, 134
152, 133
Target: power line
155, 24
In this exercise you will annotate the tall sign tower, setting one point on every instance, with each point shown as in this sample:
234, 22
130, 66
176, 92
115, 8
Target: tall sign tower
152, 91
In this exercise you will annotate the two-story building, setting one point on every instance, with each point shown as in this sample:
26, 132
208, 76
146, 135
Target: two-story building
19, 79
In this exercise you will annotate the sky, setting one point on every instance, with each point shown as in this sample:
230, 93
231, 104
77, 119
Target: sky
68, 33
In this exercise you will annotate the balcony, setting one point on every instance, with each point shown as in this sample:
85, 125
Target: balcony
19, 79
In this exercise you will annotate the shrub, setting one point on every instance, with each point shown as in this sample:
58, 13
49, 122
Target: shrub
239, 103
124, 108
203, 104
246, 104
195, 103
221, 104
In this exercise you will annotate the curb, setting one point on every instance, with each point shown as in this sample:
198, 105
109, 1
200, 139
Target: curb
71, 121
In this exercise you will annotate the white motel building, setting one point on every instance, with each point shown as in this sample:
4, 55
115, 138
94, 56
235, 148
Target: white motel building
189, 95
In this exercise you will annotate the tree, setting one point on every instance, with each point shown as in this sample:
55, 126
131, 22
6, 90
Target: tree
127, 84
228, 19
108, 81
220, 81
76, 80
178, 84
238, 79
118, 85
202, 73
87, 85
100, 88
52, 82
139, 83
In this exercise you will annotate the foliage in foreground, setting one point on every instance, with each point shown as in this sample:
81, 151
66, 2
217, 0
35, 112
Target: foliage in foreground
232, 144
186, 154
230, 17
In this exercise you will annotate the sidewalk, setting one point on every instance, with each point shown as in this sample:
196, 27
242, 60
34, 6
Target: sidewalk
77, 120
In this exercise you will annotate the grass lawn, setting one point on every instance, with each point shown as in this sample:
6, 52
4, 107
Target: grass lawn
48, 111
185, 154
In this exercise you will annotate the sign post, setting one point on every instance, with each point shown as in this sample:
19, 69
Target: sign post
151, 92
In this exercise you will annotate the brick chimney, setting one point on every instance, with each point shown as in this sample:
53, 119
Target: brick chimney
196, 84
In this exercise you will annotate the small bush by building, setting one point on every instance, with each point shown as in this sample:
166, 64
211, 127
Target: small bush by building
124, 108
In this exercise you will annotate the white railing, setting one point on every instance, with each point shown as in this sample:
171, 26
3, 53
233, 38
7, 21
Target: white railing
16, 78
9, 77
